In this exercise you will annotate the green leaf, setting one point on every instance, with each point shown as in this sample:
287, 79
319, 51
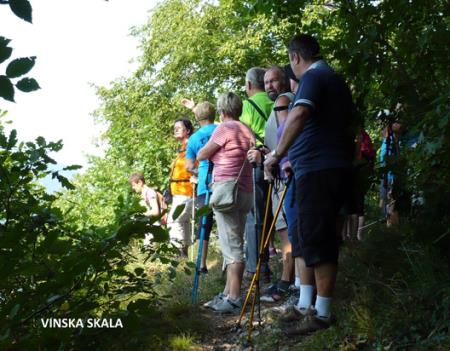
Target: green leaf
159, 234
5, 335
6, 89
53, 298
20, 66
139, 270
191, 264
72, 168
65, 182
12, 140
5, 50
203, 211
40, 141
178, 211
14, 311
22, 9
27, 84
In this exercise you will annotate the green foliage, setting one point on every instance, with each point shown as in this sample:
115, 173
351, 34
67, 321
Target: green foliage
5, 50
52, 269
17, 67
74, 255
21, 8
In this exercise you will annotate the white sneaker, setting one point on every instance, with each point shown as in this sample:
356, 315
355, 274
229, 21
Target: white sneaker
216, 299
228, 305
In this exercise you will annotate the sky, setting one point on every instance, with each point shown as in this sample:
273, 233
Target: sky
77, 42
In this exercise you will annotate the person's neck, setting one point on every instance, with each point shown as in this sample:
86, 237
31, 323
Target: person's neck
204, 122
227, 119
254, 91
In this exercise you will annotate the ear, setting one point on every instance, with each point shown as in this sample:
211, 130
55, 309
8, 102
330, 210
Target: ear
248, 85
294, 58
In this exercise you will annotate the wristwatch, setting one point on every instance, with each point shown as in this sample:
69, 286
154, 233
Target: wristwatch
275, 155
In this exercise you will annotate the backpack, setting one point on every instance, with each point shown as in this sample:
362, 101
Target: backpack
367, 150
162, 206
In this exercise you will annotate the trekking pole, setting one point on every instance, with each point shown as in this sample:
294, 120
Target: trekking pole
255, 217
266, 243
200, 251
256, 296
191, 256
200, 243
249, 291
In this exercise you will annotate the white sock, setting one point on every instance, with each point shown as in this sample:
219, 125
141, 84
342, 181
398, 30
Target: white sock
297, 282
323, 306
306, 296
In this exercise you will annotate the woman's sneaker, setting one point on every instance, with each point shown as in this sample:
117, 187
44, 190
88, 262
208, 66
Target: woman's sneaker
216, 299
228, 305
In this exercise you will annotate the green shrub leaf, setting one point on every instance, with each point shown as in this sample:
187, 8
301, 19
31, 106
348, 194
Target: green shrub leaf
20, 66
5, 50
22, 9
27, 84
14, 311
6, 89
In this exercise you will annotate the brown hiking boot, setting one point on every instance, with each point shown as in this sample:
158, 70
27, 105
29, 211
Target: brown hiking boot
309, 324
290, 315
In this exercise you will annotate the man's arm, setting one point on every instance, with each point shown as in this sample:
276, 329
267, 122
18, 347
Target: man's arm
282, 101
294, 125
208, 150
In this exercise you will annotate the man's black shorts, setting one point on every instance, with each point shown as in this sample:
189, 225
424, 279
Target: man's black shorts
320, 195
201, 201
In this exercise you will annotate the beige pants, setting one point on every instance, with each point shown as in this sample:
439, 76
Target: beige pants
180, 228
280, 224
231, 227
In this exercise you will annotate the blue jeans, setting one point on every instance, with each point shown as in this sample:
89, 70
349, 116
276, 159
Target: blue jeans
291, 209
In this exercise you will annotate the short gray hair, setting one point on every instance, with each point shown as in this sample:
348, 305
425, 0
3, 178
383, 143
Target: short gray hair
230, 104
255, 76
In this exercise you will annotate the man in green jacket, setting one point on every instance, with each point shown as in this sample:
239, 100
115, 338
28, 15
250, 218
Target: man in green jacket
255, 113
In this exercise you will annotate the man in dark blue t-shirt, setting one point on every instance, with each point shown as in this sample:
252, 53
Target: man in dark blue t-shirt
319, 143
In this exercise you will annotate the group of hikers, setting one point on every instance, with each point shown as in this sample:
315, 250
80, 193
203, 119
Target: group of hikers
295, 140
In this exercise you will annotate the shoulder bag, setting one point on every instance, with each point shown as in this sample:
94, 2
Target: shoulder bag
224, 193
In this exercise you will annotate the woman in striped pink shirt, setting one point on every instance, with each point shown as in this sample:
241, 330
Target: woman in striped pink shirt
227, 149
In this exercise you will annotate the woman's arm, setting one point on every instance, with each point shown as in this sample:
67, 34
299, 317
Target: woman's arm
208, 150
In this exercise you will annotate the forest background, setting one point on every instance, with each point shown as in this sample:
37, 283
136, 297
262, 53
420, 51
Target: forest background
68, 254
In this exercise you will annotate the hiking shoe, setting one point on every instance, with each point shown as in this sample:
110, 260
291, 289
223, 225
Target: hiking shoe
203, 270
228, 305
271, 289
216, 299
309, 324
292, 314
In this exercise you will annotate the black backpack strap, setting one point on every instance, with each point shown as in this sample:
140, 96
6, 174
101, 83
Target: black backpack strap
281, 108
262, 114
